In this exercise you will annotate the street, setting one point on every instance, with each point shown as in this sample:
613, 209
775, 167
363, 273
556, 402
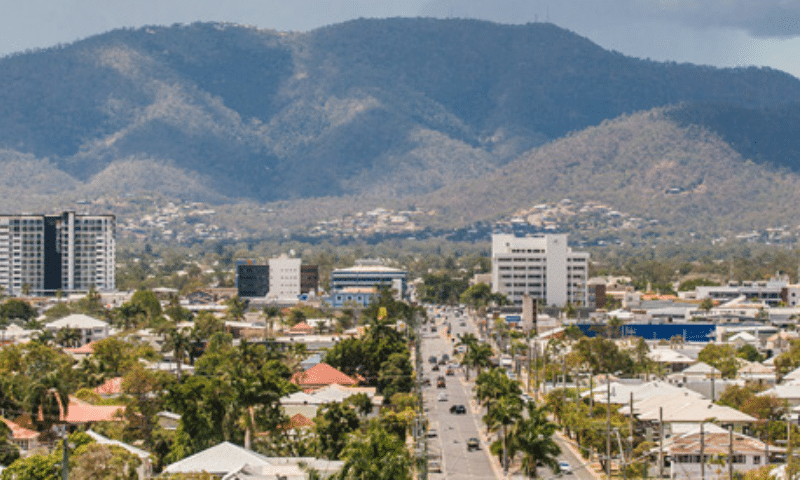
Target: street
453, 430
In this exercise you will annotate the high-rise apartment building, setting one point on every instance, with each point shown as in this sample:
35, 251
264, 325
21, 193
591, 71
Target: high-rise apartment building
542, 266
41, 254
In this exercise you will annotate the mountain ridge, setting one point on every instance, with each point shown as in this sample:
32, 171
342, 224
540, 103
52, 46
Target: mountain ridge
396, 110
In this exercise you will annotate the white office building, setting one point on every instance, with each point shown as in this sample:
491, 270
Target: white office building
41, 254
284, 278
542, 266
368, 273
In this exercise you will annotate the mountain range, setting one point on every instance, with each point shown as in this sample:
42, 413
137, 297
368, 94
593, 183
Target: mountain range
470, 118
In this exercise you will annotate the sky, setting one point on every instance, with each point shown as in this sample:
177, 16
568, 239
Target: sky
711, 32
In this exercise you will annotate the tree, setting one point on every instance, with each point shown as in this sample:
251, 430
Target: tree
375, 455
177, 342
601, 355
93, 461
721, 357
500, 415
533, 436
362, 403
789, 359
47, 397
16, 308
477, 356
491, 385
236, 308
146, 301
334, 421
144, 388
34, 467
396, 375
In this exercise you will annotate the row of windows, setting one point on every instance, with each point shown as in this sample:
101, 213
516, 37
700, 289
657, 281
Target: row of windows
741, 459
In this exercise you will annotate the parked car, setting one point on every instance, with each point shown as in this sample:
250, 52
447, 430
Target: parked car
565, 468
435, 368
441, 383
442, 397
432, 359
458, 409
449, 372
473, 444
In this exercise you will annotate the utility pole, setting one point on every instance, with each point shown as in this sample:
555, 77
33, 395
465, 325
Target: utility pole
622, 456
564, 380
536, 369
65, 460
702, 452
608, 427
730, 452
661, 442
630, 438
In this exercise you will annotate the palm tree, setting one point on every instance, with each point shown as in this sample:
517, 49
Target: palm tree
502, 414
493, 385
533, 436
477, 356
271, 311
375, 455
178, 342
47, 398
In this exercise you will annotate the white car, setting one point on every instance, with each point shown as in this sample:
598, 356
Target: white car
442, 397
564, 468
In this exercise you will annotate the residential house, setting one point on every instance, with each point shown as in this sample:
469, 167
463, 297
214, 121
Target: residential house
90, 328
715, 443
22, 437
231, 462
322, 375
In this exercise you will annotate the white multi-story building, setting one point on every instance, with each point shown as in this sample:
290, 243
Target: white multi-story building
42, 254
370, 274
542, 266
284, 278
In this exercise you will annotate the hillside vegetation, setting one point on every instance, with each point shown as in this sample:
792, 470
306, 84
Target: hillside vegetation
471, 118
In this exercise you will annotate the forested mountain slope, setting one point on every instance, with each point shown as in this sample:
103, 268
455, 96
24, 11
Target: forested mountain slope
381, 108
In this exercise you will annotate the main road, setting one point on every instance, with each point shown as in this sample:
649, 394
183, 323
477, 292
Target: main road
453, 430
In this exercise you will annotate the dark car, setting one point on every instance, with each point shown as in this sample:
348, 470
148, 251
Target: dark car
449, 372
435, 368
473, 444
432, 359
441, 383
458, 409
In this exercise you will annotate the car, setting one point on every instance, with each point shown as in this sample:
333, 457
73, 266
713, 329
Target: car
434, 466
441, 382
458, 409
526, 398
435, 368
432, 359
443, 397
449, 372
433, 329
445, 357
462, 324
426, 382
473, 444
565, 468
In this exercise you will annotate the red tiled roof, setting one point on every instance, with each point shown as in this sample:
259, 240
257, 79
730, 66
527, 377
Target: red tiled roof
18, 432
113, 386
302, 327
299, 421
87, 349
81, 412
322, 374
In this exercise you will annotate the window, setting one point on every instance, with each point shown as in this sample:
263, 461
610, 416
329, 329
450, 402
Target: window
756, 459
